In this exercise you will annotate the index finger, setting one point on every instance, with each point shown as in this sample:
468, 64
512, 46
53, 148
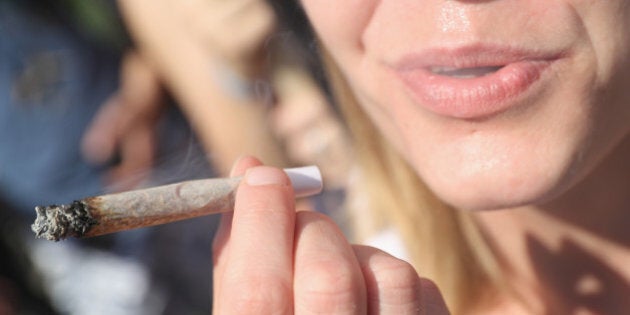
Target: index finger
258, 273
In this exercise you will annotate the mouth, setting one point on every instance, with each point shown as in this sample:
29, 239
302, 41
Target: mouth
472, 82
464, 73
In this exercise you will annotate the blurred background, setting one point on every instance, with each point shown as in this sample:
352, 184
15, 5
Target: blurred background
100, 96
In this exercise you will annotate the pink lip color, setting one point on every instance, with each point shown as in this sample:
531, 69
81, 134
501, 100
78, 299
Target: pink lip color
477, 97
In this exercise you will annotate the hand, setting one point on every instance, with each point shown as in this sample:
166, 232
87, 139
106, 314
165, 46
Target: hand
270, 259
125, 125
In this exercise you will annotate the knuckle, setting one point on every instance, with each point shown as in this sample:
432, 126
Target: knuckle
398, 282
328, 287
260, 295
396, 273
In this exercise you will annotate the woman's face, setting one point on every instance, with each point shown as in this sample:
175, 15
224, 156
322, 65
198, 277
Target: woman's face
496, 104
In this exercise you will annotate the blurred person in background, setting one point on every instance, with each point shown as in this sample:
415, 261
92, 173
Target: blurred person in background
245, 82
242, 77
60, 63
261, 93
249, 80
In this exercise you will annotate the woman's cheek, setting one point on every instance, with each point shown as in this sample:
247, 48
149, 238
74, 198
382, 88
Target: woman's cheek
340, 23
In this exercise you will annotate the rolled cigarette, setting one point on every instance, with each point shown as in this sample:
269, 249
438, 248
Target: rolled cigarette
112, 213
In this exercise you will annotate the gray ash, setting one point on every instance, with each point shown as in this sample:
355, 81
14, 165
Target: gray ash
55, 223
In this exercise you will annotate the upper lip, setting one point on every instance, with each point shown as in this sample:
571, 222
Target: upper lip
469, 56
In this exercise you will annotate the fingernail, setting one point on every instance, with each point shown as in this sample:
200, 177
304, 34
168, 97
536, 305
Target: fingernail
265, 175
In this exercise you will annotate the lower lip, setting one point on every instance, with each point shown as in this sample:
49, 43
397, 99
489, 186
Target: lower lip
473, 98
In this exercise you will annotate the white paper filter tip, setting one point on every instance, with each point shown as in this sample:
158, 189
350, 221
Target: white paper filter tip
306, 181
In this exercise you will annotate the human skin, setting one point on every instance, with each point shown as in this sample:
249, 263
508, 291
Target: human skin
550, 136
554, 149
125, 124
181, 42
169, 40
270, 259
552, 146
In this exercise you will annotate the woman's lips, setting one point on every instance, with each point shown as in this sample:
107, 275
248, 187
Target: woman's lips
471, 83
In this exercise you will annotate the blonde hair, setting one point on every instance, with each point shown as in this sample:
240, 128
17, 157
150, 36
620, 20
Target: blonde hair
444, 244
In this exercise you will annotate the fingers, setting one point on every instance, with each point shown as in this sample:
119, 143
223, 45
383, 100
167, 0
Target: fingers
220, 248
271, 260
327, 276
260, 269
257, 272
125, 125
136, 151
225, 226
117, 132
394, 287
98, 144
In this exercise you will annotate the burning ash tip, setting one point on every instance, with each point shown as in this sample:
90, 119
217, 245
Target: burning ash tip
55, 222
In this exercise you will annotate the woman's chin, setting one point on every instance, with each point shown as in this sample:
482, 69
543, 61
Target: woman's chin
491, 196
504, 170
498, 189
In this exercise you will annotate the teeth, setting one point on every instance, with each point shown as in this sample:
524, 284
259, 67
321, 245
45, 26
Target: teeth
464, 73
